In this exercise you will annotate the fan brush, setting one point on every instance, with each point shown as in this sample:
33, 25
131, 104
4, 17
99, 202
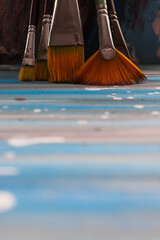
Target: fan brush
108, 66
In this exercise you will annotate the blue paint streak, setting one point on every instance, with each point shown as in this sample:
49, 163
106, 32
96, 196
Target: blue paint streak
68, 91
80, 171
83, 149
117, 107
65, 188
53, 123
50, 188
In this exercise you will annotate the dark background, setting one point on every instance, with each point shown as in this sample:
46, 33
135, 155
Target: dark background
140, 21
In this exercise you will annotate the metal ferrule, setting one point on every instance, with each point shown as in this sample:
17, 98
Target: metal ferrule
66, 27
107, 48
113, 16
29, 53
43, 46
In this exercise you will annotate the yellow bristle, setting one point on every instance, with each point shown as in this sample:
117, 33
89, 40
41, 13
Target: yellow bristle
63, 62
41, 70
118, 71
27, 73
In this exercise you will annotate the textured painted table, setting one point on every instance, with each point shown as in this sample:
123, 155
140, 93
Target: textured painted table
77, 162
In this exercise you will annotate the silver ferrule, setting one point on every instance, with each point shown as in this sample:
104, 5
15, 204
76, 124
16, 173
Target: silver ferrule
107, 48
113, 16
29, 53
43, 45
66, 27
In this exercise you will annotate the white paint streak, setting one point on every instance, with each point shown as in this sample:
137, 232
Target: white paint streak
37, 110
154, 93
23, 142
104, 117
130, 98
156, 113
8, 171
82, 122
96, 89
117, 98
7, 201
139, 106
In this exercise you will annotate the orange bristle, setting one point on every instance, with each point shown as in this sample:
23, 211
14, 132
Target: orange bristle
27, 73
41, 70
63, 62
118, 71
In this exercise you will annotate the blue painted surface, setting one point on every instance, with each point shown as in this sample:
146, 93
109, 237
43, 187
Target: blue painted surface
58, 189
81, 188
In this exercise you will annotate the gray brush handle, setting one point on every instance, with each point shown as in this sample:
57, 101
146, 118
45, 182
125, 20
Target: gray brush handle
107, 48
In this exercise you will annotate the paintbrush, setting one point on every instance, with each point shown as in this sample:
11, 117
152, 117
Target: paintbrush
41, 67
66, 45
108, 66
27, 72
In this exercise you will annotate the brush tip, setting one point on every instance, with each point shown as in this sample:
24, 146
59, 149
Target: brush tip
27, 73
41, 70
118, 71
63, 62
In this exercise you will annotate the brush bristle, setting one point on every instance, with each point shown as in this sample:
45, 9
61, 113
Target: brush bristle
27, 73
118, 71
41, 70
63, 62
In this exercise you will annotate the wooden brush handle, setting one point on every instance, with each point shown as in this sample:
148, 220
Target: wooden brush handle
99, 2
48, 7
117, 34
111, 6
34, 11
